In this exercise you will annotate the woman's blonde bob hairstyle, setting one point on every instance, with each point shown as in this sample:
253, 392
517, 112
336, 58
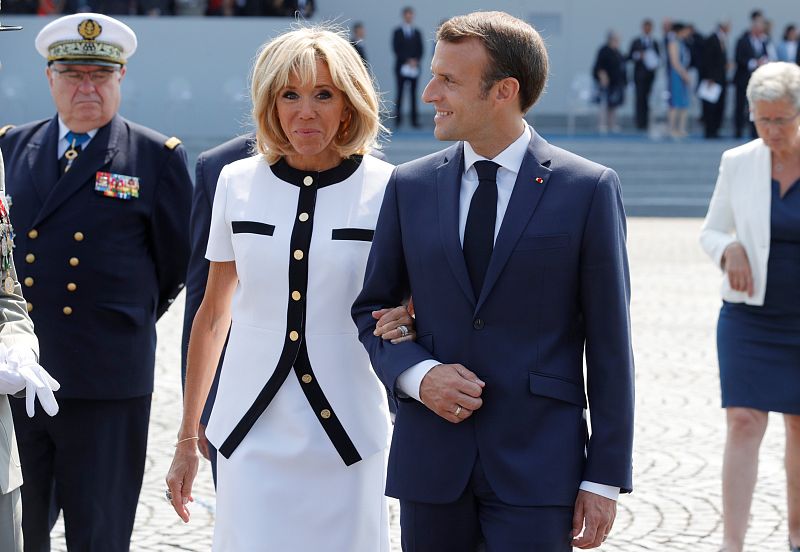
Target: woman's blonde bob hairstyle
296, 53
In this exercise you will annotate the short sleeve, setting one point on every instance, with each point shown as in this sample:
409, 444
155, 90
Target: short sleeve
220, 244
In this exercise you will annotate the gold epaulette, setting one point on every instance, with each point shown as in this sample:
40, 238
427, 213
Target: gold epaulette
172, 143
5, 129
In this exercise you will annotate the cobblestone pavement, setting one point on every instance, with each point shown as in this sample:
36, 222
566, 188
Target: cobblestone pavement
679, 426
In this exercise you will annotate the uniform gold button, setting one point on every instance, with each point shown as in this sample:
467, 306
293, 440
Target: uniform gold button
29, 258
28, 281
297, 255
325, 414
294, 336
72, 286
30, 307
303, 217
67, 310
74, 261
308, 181
78, 236
33, 234
306, 378
296, 295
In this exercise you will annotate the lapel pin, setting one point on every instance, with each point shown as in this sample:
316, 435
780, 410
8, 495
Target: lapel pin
539, 180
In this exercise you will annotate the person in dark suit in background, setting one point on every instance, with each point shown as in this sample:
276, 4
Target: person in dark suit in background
209, 165
714, 69
751, 53
407, 48
101, 212
645, 55
357, 35
490, 441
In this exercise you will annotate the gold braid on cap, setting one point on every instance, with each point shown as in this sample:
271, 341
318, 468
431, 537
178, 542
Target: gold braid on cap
88, 48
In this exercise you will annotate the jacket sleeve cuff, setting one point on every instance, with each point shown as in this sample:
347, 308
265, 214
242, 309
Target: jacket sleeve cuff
409, 381
606, 491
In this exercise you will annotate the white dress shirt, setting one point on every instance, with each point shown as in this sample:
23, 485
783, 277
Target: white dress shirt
64, 144
510, 161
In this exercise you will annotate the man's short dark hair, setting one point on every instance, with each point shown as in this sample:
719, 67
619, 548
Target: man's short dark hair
755, 14
407, 9
514, 48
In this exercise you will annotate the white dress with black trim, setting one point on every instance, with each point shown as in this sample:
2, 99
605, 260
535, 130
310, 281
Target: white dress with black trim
300, 419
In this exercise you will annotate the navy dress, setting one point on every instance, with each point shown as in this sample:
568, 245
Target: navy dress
759, 347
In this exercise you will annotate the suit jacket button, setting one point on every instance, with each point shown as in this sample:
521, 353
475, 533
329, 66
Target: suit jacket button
72, 286
30, 307
307, 378
477, 323
325, 414
74, 261
28, 282
67, 310
33, 234
78, 236
30, 258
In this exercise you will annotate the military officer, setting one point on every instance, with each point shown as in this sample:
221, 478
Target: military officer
101, 211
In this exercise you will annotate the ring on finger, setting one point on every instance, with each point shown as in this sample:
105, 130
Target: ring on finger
403, 330
458, 410
168, 495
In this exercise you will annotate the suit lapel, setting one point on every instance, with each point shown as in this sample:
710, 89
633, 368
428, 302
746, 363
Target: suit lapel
42, 153
97, 154
528, 189
448, 186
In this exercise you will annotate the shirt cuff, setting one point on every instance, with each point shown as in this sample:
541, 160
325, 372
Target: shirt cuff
599, 489
409, 381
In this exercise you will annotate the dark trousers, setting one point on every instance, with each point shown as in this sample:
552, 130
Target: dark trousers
401, 85
480, 521
712, 116
93, 454
742, 115
644, 84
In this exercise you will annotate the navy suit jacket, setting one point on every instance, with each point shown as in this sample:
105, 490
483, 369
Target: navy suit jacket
125, 258
557, 283
209, 165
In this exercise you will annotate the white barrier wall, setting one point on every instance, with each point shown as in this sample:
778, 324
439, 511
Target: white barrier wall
189, 76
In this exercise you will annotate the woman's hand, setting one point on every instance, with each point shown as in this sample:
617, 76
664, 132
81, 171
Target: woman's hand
181, 476
737, 267
390, 322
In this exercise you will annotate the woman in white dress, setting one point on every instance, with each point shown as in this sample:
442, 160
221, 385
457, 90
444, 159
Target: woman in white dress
300, 419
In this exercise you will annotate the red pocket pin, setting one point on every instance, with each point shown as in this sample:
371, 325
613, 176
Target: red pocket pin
539, 180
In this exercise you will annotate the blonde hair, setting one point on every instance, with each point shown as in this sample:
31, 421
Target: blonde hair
296, 53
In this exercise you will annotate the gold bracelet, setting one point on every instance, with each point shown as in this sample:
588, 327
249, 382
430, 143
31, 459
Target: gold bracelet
186, 439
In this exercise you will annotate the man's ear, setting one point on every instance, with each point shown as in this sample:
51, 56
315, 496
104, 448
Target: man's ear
507, 90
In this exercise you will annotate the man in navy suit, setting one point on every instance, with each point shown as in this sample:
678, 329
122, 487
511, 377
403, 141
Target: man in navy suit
407, 47
751, 52
209, 165
101, 212
514, 251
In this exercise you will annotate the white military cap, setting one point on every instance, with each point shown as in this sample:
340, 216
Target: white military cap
87, 38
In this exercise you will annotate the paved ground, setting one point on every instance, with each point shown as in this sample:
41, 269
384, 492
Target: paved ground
679, 429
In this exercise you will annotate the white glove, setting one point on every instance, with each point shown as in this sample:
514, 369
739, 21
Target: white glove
19, 370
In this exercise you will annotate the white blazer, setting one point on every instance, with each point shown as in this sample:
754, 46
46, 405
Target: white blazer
740, 211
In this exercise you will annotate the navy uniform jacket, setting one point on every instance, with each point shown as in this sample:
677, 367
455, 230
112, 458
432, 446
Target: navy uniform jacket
557, 285
98, 271
209, 165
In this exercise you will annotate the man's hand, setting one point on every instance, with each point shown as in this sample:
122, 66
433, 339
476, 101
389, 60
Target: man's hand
595, 515
20, 370
389, 322
451, 391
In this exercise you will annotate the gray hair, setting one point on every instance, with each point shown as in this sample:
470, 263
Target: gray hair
773, 82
